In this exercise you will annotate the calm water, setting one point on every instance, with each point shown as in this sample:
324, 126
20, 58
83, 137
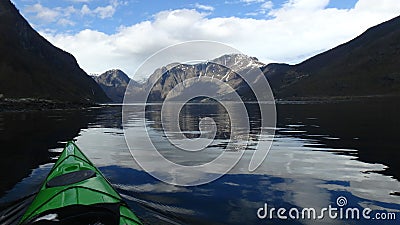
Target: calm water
320, 152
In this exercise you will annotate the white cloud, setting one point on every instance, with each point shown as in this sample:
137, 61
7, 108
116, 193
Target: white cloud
265, 8
267, 5
63, 15
104, 12
85, 10
68, 11
305, 5
370, 6
204, 7
252, 1
43, 13
101, 11
253, 13
65, 22
298, 30
80, 1
57, 15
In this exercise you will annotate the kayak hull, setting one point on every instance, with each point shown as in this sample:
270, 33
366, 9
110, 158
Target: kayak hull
76, 189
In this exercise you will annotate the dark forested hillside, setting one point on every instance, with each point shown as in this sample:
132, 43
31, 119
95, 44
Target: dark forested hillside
366, 65
31, 67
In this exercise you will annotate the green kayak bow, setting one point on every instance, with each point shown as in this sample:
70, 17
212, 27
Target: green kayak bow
76, 192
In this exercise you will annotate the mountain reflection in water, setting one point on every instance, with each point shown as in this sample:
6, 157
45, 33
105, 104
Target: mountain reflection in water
320, 151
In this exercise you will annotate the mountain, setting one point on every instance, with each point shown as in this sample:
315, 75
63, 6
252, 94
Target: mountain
114, 83
365, 66
31, 67
225, 69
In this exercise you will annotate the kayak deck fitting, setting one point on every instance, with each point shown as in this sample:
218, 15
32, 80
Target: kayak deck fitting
76, 192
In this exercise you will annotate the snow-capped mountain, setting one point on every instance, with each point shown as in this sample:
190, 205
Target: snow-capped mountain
230, 69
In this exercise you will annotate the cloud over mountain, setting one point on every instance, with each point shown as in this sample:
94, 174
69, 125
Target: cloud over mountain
290, 33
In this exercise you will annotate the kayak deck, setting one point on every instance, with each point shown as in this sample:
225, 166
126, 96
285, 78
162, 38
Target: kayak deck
75, 191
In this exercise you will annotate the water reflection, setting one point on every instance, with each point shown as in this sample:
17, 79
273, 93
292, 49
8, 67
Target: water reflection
26, 138
189, 119
371, 128
320, 152
312, 162
191, 114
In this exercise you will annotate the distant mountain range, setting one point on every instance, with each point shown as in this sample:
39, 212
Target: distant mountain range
31, 67
368, 65
114, 83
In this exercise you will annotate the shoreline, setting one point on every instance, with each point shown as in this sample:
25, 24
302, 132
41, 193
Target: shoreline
336, 99
289, 100
30, 104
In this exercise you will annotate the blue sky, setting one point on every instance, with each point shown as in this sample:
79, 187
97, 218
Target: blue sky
70, 16
106, 34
